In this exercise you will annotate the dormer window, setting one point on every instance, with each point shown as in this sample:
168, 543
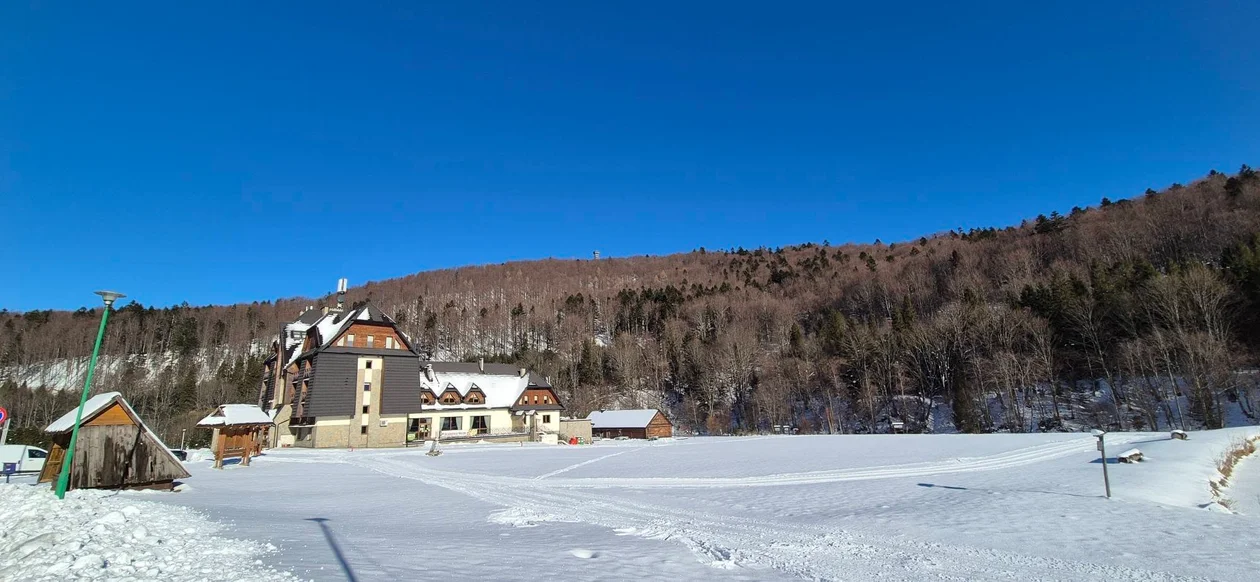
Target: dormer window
350, 340
450, 397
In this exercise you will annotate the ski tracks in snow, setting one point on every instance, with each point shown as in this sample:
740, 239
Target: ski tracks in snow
583, 464
730, 541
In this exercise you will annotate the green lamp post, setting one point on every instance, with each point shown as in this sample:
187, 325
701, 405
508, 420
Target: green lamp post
63, 479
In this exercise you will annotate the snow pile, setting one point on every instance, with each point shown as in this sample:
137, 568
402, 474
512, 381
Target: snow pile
95, 535
198, 455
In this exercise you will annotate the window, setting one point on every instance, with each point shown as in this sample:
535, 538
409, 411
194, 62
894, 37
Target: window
480, 423
450, 398
426, 398
350, 340
342, 341
535, 399
546, 400
450, 423
34, 454
389, 342
546, 418
368, 364
370, 341
363, 429
367, 386
366, 408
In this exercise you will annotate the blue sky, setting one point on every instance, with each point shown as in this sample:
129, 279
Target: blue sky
226, 152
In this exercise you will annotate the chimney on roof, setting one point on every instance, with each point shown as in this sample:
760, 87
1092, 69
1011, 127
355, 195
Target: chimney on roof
428, 372
341, 295
522, 372
481, 365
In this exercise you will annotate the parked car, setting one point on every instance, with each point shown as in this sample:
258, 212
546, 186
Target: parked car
28, 459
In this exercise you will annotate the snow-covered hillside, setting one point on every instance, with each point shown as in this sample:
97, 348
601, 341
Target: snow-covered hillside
915, 507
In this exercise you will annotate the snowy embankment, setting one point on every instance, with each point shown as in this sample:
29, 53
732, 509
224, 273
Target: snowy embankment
98, 535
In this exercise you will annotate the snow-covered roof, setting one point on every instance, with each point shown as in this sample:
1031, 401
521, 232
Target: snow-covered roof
501, 391
621, 418
330, 326
236, 414
94, 406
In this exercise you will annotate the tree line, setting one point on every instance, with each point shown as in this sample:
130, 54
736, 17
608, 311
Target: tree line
1133, 314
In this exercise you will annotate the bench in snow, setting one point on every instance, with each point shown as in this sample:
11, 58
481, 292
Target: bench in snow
1130, 456
1180, 435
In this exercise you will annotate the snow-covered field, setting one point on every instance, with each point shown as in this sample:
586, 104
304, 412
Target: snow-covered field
904, 507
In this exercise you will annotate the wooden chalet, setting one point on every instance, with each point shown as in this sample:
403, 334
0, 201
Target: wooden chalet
351, 378
635, 424
115, 449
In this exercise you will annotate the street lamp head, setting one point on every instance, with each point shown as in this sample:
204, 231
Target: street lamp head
110, 296
1098, 433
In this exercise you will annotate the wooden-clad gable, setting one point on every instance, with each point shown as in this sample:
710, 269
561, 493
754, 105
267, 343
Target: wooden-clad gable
115, 450
114, 415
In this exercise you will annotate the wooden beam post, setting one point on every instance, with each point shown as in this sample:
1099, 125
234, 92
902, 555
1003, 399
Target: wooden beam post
219, 449
249, 448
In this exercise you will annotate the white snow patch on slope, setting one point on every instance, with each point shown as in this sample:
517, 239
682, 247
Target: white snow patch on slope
93, 536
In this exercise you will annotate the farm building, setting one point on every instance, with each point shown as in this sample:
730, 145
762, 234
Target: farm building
240, 430
635, 424
115, 449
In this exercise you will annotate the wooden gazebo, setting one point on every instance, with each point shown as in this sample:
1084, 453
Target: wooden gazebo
239, 431
115, 449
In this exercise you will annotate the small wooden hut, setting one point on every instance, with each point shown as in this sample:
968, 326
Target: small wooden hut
635, 424
239, 431
115, 449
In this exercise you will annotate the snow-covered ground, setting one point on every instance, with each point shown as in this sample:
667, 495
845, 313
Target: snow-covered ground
890, 507
1245, 486
98, 535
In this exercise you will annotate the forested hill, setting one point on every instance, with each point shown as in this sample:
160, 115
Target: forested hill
1001, 328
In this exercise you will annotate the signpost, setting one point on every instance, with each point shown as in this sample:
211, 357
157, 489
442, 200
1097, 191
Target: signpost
9, 469
1102, 449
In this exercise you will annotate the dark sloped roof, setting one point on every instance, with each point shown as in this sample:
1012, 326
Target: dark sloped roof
310, 316
370, 312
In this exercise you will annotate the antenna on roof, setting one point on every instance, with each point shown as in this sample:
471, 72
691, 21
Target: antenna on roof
341, 294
